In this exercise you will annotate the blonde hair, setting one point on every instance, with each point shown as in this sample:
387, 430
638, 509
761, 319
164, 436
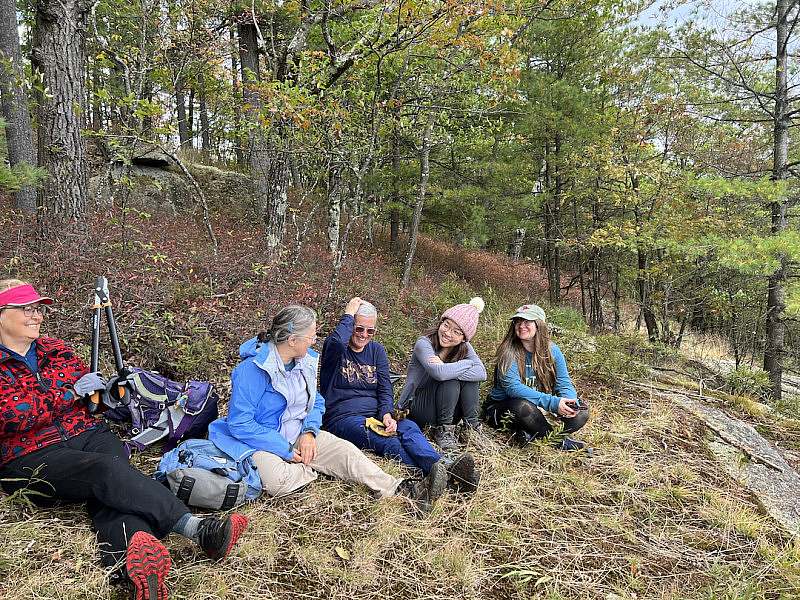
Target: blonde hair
512, 351
7, 284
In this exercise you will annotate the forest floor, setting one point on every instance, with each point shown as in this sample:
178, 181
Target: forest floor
651, 514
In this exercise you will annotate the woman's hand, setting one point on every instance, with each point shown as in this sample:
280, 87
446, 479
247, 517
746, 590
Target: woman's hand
352, 306
435, 360
389, 423
306, 447
566, 408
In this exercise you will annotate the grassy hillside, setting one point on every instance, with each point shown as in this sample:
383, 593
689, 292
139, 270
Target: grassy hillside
650, 515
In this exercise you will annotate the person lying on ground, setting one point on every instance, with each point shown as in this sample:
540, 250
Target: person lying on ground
444, 373
275, 414
531, 379
54, 450
354, 379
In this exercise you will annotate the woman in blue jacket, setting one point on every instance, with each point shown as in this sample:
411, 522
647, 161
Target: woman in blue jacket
531, 379
275, 414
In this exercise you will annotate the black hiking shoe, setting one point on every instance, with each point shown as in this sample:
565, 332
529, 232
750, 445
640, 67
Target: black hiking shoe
147, 564
570, 445
424, 492
444, 436
462, 476
217, 537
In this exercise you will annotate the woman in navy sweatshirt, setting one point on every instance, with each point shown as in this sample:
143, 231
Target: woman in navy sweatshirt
354, 380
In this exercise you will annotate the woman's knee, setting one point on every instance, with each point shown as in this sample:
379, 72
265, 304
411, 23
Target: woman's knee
530, 417
577, 422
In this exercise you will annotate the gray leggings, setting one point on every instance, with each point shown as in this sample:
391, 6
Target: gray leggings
445, 403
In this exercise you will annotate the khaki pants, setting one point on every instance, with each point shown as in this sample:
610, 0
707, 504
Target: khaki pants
335, 457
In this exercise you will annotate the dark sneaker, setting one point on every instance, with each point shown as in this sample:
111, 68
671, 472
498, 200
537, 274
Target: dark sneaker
424, 492
521, 438
147, 564
462, 476
570, 445
444, 436
217, 537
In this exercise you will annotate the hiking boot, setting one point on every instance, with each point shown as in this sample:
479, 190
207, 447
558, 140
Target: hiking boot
147, 564
521, 438
444, 436
570, 445
424, 492
217, 537
470, 432
462, 476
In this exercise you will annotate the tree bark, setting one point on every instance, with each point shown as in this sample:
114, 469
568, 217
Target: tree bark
776, 294
394, 216
180, 112
334, 208
237, 92
19, 132
58, 54
205, 129
424, 175
515, 247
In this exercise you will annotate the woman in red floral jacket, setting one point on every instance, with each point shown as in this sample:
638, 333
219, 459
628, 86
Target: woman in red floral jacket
51, 445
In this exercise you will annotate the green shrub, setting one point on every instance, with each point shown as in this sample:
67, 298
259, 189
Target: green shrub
611, 359
567, 319
745, 381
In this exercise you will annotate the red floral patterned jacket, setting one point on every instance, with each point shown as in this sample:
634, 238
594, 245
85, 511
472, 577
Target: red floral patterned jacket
42, 409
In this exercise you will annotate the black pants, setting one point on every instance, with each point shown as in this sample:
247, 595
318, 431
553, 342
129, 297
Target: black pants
517, 415
93, 468
445, 403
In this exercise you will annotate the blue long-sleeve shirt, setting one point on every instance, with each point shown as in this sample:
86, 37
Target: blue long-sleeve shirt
354, 383
509, 385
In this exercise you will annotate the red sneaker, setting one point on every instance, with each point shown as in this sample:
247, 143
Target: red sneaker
217, 538
147, 563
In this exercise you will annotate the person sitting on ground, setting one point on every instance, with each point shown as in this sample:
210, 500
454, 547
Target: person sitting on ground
55, 451
520, 401
444, 374
354, 379
275, 414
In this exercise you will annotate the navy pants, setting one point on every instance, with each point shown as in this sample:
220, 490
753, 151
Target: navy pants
93, 467
409, 446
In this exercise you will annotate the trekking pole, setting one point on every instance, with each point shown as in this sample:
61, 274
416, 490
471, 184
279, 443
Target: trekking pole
100, 396
102, 289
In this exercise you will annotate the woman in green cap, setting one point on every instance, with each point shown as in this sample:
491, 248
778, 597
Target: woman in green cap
531, 379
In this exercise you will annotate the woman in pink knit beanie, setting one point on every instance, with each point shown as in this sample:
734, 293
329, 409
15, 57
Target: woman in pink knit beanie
444, 374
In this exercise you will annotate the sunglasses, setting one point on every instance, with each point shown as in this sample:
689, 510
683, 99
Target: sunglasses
30, 310
361, 329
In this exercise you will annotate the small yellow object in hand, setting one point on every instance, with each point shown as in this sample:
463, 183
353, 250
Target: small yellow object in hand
378, 427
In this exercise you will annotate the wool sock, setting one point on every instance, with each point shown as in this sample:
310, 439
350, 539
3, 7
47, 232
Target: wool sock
187, 526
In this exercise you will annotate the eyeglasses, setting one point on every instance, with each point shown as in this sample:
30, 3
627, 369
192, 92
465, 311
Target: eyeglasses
450, 327
31, 309
361, 329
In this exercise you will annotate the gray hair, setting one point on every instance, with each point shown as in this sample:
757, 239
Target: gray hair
288, 321
367, 310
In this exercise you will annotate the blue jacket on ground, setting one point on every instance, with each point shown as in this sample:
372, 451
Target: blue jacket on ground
354, 383
258, 400
509, 385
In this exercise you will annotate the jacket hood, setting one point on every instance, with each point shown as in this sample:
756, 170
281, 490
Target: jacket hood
250, 348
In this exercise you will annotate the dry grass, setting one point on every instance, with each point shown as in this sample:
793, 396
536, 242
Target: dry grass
649, 516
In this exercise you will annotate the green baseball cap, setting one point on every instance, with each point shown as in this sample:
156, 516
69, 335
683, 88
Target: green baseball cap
530, 312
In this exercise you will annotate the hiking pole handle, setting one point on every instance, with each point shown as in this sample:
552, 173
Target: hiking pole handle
96, 398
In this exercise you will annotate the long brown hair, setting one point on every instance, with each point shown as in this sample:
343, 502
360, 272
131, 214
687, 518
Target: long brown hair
455, 353
512, 351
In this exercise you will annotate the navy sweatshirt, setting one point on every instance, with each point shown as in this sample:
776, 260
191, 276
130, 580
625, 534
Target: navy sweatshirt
354, 383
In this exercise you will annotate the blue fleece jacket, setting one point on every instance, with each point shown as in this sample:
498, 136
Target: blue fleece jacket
508, 385
354, 383
258, 400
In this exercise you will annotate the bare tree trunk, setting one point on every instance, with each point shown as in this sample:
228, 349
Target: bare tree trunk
424, 174
334, 208
515, 247
237, 91
180, 112
58, 54
776, 295
19, 132
205, 130
394, 223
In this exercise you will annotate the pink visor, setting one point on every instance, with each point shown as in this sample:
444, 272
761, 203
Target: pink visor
22, 295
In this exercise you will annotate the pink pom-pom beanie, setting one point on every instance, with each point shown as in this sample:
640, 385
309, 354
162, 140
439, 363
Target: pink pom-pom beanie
466, 316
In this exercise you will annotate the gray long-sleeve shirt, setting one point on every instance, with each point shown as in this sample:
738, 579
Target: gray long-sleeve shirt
421, 372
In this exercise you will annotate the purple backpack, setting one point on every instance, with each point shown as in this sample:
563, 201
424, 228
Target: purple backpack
160, 409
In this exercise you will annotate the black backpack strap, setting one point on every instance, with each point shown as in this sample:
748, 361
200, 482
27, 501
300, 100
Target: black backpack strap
231, 496
185, 489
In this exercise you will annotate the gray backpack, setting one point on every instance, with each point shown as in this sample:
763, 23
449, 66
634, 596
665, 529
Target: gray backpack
205, 489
